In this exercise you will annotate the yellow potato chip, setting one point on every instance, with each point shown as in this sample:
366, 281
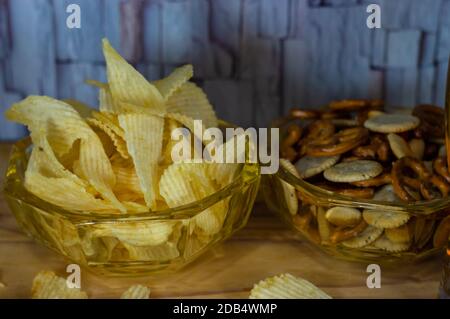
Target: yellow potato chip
161, 253
136, 292
127, 84
46, 285
60, 121
168, 85
119, 142
168, 142
126, 177
190, 100
286, 286
148, 233
46, 178
144, 135
184, 183
62, 126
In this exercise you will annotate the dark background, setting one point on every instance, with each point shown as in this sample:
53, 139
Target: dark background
255, 58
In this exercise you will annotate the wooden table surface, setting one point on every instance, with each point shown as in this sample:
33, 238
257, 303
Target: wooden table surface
265, 247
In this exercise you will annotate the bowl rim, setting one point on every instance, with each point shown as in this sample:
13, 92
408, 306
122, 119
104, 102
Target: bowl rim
247, 174
330, 197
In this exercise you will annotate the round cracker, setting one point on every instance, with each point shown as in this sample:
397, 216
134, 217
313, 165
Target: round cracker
400, 234
290, 196
385, 244
309, 166
385, 219
392, 123
366, 237
343, 216
399, 146
354, 171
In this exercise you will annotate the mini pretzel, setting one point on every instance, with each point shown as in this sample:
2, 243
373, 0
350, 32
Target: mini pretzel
348, 105
398, 177
440, 167
339, 143
294, 132
442, 234
426, 187
378, 148
341, 234
375, 182
298, 113
317, 131
431, 121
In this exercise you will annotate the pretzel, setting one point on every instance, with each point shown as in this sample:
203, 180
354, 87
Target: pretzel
339, 143
348, 105
375, 182
378, 148
298, 113
317, 131
426, 187
431, 121
341, 234
441, 236
440, 167
424, 181
294, 132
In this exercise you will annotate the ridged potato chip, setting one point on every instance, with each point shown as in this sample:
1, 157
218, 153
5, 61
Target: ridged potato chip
286, 286
83, 109
46, 178
168, 85
144, 136
127, 84
119, 143
136, 292
163, 252
190, 100
46, 285
127, 181
148, 233
62, 126
185, 183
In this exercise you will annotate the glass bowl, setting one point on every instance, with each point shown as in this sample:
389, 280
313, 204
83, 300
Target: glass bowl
128, 245
303, 205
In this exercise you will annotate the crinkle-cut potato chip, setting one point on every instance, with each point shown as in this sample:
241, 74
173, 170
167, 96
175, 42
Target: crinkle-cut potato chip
162, 252
148, 233
286, 286
62, 126
136, 292
61, 122
46, 178
224, 173
184, 183
98, 170
168, 142
111, 121
126, 177
46, 285
190, 100
186, 121
83, 109
127, 84
168, 85
119, 142
144, 136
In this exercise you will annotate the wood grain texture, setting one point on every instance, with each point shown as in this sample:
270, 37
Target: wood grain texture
265, 247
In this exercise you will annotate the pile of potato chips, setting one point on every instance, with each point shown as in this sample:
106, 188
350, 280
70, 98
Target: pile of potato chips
118, 159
